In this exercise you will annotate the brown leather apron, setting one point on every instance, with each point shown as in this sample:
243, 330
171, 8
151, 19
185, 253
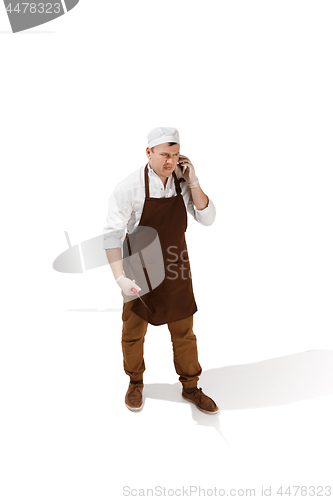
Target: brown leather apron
173, 299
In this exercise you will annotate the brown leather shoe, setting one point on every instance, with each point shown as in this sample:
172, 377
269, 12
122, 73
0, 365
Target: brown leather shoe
133, 398
203, 402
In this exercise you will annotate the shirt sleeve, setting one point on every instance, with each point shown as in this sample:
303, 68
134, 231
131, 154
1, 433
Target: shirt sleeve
206, 216
118, 215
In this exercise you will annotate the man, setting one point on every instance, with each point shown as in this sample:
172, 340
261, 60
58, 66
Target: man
158, 196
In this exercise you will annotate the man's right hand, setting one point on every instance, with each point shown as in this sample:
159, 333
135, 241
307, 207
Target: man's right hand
126, 285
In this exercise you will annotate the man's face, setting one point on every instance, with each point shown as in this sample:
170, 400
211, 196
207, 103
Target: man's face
163, 159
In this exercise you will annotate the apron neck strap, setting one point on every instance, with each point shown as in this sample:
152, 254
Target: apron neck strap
178, 188
146, 181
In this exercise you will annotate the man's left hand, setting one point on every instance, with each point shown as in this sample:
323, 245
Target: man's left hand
188, 171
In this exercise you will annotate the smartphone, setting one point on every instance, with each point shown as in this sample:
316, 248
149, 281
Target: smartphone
181, 166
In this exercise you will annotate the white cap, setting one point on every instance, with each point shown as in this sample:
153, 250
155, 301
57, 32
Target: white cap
160, 135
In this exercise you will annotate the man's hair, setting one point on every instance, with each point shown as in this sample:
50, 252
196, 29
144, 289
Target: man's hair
170, 144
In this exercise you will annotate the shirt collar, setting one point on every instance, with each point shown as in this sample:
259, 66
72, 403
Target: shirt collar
151, 172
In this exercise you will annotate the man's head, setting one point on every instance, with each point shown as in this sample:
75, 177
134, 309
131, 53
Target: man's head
163, 151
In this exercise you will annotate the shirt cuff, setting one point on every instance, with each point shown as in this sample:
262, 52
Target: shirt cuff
112, 241
207, 215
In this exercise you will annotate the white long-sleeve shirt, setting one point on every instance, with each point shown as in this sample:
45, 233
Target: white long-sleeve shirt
127, 200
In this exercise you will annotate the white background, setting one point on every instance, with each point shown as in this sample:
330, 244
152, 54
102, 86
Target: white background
249, 85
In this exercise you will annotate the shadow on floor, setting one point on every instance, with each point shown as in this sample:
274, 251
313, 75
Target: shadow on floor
272, 382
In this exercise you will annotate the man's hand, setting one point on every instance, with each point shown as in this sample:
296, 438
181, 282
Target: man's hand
126, 285
188, 171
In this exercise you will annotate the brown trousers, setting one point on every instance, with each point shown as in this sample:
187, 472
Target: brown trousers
184, 343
